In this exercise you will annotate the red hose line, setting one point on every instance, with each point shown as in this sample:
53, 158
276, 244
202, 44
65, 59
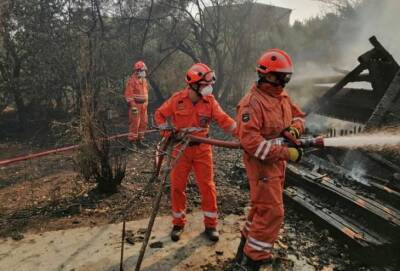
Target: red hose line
215, 142
13, 160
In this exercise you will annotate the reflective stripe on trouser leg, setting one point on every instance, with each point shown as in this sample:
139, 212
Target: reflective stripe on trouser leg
203, 171
179, 178
209, 218
246, 227
259, 245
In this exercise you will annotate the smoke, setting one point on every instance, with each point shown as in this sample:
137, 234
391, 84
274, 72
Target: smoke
350, 40
357, 174
317, 125
371, 17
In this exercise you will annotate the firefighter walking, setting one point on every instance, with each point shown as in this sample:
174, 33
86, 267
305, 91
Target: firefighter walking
194, 106
136, 95
263, 114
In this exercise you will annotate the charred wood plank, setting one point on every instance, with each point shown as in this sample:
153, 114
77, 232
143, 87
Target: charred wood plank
357, 233
315, 105
328, 184
379, 184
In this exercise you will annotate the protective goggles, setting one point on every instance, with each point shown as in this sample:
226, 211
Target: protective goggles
208, 78
284, 77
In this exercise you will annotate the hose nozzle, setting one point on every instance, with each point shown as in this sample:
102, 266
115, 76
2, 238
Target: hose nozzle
316, 142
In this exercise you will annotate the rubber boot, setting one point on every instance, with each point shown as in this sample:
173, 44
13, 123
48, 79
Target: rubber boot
247, 264
176, 233
212, 234
239, 253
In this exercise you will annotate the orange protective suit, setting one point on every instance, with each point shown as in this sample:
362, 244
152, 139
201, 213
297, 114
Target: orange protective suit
136, 95
183, 114
261, 116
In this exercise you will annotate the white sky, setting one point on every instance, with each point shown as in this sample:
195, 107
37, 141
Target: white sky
302, 9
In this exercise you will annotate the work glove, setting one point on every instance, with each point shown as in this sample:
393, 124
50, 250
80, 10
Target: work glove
163, 129
291, 134
134, 110
291, 130
295, 154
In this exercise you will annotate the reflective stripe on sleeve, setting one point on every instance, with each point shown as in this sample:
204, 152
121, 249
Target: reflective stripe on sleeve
260, 147
266, 151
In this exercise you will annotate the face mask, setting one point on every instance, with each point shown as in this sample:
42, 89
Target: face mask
207, 90
141, 74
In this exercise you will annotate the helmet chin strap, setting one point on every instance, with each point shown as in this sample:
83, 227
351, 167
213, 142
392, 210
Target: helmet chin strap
196, 88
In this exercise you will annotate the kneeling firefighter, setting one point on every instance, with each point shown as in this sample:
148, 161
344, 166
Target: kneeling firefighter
264, 113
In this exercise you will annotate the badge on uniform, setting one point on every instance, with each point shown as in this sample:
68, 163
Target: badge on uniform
245, 117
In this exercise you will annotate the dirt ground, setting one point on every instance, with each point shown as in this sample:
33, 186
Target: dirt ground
98, 248
43, 200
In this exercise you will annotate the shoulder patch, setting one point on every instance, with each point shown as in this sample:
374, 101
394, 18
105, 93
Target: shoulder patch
245, 117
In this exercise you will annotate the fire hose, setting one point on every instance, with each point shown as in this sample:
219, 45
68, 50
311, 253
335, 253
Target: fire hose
13, 160
303, 142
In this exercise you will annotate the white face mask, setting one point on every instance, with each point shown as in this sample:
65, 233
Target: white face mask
207, 90
141, 74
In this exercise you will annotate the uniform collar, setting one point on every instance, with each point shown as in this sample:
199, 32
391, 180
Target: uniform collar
270, 91
136, 78
185, 94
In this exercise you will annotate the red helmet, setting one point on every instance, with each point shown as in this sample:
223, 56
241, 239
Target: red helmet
200, 73
139, 66
274, 60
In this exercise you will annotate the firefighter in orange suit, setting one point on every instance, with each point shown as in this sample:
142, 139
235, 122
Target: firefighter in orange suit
136, 95
262, 115
194, 106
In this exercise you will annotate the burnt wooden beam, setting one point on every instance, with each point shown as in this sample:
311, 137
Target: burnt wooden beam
322, 101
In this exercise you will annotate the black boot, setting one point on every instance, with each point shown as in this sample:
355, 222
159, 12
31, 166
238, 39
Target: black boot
212, 234
239, 253
176, 233
248, 264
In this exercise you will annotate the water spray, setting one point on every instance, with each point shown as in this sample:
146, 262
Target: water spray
373, 141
